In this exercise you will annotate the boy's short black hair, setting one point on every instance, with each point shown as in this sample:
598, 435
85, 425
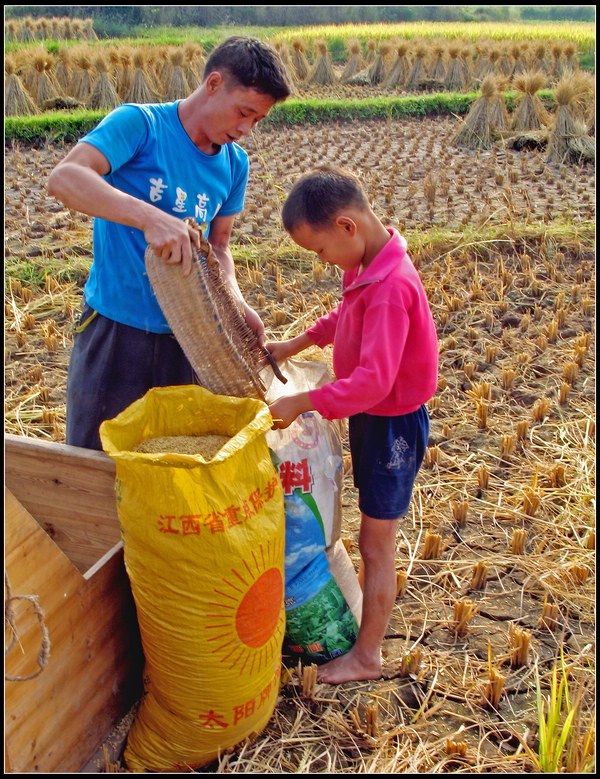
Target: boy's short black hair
252, 64
318, 197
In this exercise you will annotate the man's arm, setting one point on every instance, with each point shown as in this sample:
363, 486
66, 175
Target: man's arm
77, 181
220, 234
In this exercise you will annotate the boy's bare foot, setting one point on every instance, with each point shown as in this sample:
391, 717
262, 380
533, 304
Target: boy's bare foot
348, 668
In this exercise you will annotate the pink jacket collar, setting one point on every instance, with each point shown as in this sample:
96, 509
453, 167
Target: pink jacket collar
388, 259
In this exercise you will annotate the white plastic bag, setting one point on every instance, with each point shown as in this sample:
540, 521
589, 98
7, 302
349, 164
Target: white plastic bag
323, 599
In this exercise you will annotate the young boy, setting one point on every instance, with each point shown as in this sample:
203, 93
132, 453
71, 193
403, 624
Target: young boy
140, 172
385, 359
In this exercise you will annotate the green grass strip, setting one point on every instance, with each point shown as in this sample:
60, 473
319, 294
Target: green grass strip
51, 126
312, 110
433, 242
441, 240
69, 126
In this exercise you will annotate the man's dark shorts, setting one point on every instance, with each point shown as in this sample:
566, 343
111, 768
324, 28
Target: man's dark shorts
387, 453
111, 366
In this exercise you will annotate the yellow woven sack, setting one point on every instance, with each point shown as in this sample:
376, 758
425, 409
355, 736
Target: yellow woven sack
204, 550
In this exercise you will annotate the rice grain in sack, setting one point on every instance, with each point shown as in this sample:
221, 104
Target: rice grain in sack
204, 550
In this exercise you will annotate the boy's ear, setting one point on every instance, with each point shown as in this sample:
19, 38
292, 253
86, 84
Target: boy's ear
347, 224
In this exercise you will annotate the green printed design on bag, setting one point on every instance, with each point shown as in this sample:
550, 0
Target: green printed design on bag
323, 627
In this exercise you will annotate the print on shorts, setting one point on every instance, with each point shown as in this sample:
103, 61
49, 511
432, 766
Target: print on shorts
399, 447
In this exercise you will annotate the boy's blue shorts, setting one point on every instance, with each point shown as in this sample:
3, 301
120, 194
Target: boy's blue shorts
387, 453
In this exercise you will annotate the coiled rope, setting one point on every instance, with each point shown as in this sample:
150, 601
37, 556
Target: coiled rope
9, 622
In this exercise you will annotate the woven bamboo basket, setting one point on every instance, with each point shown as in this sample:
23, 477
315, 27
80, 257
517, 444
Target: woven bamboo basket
202, 313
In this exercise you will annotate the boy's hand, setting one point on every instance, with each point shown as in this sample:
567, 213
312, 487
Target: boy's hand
285, 410
279, 350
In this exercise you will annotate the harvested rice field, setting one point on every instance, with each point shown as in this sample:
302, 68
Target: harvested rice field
496, 559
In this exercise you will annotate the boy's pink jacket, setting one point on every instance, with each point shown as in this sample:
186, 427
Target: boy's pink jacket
385, 349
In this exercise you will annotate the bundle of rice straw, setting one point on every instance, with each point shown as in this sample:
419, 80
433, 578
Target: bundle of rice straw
540, 61
465, 60
557, 68
499, 114
481, 58
159, 65
17, 100
300, 64
376, 70
88, 30
504, 65
438, 69
67, 29
103, 93
490, 66
362, 78
114, 65
454, 80
27, 31
478, 130
157, 62
322, 72
571, 57
569, 141
83, 79
45, 87
353, 64
125, 74
57, 30
177, 86
519, 58
418, 72
61, 103
588, 105
43, 28
282, 48
194, 64
77, 29
399, 70
531, 140
63, 72
140, 90
530, 113
10, 30
25, 66
371, 47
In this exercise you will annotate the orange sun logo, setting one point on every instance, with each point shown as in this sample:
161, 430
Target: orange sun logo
248, 621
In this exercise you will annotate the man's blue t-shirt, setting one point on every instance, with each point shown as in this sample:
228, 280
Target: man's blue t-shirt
153, 159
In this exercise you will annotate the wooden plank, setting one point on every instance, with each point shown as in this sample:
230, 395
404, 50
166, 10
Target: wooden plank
57, 720
70, 492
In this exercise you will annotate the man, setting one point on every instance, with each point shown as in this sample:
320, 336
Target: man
139, 173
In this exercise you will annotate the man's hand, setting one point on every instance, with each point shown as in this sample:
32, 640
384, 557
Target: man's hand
254, 322
171, 239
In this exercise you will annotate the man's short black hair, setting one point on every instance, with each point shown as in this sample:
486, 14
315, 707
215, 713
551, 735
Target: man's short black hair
251, 63
319, 196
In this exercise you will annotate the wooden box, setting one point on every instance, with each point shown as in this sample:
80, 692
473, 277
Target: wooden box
74, 662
